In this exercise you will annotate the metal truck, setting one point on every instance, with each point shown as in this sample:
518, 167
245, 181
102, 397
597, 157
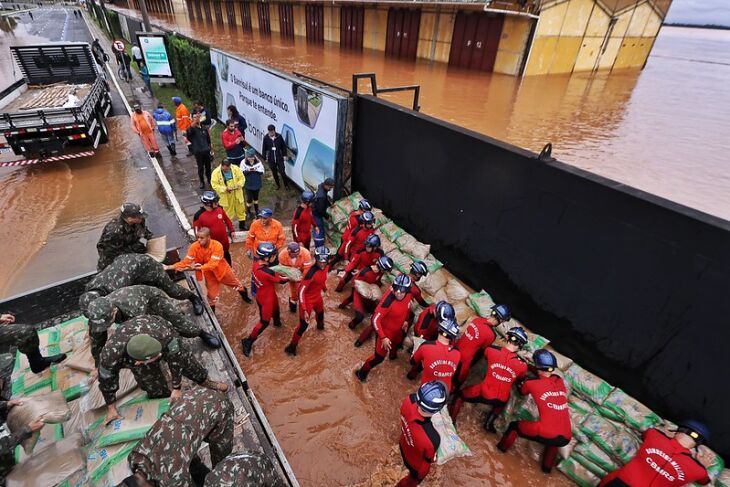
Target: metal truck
61, 101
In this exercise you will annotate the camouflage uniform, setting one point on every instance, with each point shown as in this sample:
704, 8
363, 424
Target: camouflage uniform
244, 470
134, 301
22, 336
150, 377
8, 444
119, 237
131, 269
165, 453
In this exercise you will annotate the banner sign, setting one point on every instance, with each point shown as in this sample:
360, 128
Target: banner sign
305, 116
155, 54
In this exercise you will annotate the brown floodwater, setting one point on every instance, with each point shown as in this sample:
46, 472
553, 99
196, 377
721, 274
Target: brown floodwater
663, 130
337, 431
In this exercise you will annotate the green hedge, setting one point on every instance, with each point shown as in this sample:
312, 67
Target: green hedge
113, 18
191, 66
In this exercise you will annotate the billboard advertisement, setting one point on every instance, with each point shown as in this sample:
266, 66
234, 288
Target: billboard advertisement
155, 54
305, 116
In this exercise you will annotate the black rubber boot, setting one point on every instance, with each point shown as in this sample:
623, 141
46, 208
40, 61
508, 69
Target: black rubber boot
173, 150
361, 376
197, 305
291, 349
39, 363
277, 320
210, 340
247, 345
244, 295
292, 306
358, 344
242, 225
489, 422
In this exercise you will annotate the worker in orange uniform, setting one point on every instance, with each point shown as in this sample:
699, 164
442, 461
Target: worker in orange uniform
143, 124
294, 255
182, 115
265, 229
205, 257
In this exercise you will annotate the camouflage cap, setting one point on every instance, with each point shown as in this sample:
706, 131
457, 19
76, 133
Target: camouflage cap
86, 299
100, 310
143, 347
132, 209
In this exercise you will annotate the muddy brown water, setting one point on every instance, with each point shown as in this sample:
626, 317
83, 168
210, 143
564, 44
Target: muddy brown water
337, 431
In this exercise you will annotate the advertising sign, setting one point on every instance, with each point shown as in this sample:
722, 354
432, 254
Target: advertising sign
155, 54
305, 116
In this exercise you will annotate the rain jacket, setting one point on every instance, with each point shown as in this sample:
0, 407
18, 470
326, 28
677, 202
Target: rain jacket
218, 182
165, 123
182, 115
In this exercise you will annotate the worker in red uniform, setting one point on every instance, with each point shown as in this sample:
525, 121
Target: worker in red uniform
364, 258
354, 240
417, 271
390, 321
353, 220
303, 221
311, 288
419, 440
504, 368
371, 275
477, 336
437, 359
265, 280
429, 319
664, 461
212, 216
553, 427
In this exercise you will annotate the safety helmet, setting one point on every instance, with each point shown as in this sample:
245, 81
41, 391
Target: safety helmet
501, 312
696, 430
265, 250
401, 283
86, 299
293, 247
209, 197
418, 267
444, 311
365, 205
265, 213
307, 196
544, 360
322, 254
372, 241
432, 396
517, 335
367, 218
385, 263
449, 328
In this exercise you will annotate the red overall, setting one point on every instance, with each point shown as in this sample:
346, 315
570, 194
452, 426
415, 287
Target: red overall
352, 220
660, 462
359, 261
504, 367
265, 280
362, 305
427, 325
418, 442
344, 243
437, 360
415, 293
301, 225
216, 221
313, 284
477, 336
357, 241
388, 321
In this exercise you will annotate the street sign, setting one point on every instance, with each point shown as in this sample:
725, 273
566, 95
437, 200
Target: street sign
119, 46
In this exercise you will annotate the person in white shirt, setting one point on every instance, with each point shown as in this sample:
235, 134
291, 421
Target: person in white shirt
137, 55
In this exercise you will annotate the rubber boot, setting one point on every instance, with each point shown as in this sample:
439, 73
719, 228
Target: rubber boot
489, 422
244, 295
277, 320
507, 440
361, 375
548, 458
356, 320
197, 305
320, 321
413, 373
247, 345
198, 471
173, 150
340, 286
210, 340
292, 306
291, 349
39, 363
242, 225
357, 343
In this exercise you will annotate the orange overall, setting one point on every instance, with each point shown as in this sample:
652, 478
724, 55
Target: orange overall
302, 262
215, 269
143, 125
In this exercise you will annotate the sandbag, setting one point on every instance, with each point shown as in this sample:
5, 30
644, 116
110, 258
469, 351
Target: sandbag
417, 342
80, 421
563, 362
534, 341
72, 327
440, 296
81, 359
463, 312
50, 465
25, 383
432, 263
71, 382
451, 445
157, 248
578, 473
368, 291
238, 236
567, 450
433, 282
630, 411
400, 261
596, 455
589, 465
94, 399
74, 342
588, 385
51, 408
411, 246
108, 466
346, 205
724, 479
456, 291
712, 462
380, 218
611, 438
355, 199
49, 433
526, 410
292, 273
137, 419
387, 245
481, 303
391, 231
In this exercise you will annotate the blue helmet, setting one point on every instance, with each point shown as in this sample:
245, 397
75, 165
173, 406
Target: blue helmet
449, 328
176, 100
307, 196
367, 218
322, 254
444, 311
517, 335
385, 263
266, 213
209, 197
265, 250
401, 283
501, 312
372, 241
696, 430
432, 396
365, 205
418, 267
544, 360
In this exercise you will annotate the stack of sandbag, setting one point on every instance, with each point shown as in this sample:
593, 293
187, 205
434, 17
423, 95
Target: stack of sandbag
59, 464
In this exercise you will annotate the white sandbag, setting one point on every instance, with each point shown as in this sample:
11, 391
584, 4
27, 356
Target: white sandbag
238, 236
81, 359
368, 291
292, 273
157, 248
137, 419
51, 408
463, 312
50, 465
451, 445
409, 245
433, 282
79, 421
108, 466
456, 291
95, 399
387, 245
417, 342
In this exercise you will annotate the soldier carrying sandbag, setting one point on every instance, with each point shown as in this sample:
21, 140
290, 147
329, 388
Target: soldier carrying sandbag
125, 234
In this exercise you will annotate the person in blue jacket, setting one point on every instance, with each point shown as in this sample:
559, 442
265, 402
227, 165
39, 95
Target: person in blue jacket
167, 127
253, 170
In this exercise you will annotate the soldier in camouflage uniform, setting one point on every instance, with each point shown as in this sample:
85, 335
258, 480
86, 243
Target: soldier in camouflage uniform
244, 470
140, 345
129, 269
25, 338
167, 456
137, 300
126, 234
9, 442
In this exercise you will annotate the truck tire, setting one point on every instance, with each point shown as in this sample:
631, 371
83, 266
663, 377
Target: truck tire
104, 138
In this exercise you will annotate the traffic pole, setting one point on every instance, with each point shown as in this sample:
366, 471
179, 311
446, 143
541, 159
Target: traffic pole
145, 17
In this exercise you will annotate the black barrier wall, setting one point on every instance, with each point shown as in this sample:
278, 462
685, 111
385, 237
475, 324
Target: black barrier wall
632, 287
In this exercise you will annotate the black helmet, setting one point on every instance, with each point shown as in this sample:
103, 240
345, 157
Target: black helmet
367, 218
696, 430
265, 250
209, 197
444, 311
402, 282
501, 312
365, 205
449, 328
418, 267
517, 335
432, 396
307, 196
372, 241
322, 254
385, 263
544, 360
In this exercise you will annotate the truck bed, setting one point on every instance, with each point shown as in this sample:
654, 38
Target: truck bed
45, 97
